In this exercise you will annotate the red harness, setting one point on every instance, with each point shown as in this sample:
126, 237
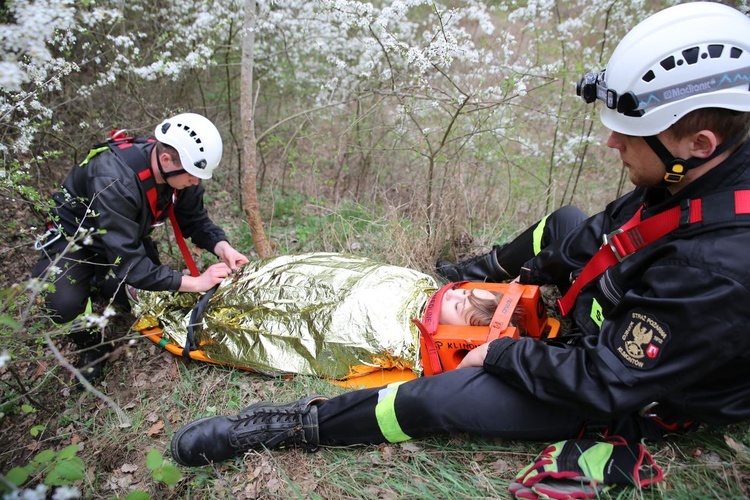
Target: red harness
120, 144
636, 234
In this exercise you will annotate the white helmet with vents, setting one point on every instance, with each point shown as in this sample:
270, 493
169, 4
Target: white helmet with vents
196, 139
686, 57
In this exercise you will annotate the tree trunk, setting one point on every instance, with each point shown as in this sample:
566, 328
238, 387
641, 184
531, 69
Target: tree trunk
247, 111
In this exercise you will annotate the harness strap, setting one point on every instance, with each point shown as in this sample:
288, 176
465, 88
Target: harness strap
149, 185
181, 243
636, 233
122, 146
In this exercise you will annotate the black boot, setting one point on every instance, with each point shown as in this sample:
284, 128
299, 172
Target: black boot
93, 354
261, 425
483, 267
92, 361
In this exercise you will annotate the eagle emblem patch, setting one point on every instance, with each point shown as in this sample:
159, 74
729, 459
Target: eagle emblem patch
642, 340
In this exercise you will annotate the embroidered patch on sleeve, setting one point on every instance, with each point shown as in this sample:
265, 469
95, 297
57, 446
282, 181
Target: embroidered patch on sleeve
641, 341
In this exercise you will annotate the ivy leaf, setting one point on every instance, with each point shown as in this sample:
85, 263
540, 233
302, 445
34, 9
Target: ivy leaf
154, 460
53, 479
171, 475
44, 457
69, 470
17, 476
68, 452
37, 429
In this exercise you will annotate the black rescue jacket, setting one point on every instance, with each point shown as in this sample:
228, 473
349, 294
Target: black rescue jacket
105, 193
669, 324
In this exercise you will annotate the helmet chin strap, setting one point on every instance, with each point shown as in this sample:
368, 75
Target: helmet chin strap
676, 168
167, 175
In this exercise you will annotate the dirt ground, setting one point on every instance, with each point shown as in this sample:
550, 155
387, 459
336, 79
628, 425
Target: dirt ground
36, 378
40, 409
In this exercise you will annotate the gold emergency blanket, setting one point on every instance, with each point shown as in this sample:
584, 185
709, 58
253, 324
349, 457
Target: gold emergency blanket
322, 314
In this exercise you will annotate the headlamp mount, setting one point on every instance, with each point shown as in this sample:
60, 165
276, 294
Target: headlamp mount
592, 86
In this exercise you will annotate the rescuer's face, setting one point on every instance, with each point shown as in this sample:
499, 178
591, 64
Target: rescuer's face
645, 169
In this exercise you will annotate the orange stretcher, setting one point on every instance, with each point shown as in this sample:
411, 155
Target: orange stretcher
442, 346
359, 376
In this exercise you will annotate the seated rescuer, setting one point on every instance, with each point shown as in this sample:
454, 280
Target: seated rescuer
656, 343
104, 194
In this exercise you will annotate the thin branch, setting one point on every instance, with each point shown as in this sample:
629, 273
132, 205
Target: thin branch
124, 420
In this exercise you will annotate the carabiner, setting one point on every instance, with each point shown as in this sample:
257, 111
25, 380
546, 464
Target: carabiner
49, 237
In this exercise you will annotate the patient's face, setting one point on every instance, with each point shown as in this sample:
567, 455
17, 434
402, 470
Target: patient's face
455, 307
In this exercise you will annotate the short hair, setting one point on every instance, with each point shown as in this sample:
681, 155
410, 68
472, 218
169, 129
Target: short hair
725, 123
172, 152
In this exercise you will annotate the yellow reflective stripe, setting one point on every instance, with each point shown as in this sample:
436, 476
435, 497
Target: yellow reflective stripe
93, 153
385, 414
89, 309
597, 315
538, 233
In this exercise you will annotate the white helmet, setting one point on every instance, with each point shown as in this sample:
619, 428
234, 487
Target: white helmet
689, 56
197, 141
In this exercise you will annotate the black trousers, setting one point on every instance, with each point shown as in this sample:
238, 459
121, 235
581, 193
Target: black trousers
467, 400
525, 246
84, 275
471, 400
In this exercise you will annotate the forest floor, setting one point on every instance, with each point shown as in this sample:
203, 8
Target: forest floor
157, 392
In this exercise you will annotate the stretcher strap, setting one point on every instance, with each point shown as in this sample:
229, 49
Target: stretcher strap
195, 317
504, 312
431, 320
429, 345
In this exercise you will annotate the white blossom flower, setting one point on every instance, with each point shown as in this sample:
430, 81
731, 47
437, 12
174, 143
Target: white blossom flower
66, 493
4, 359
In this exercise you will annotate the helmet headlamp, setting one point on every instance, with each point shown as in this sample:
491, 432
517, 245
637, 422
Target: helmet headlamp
592, 86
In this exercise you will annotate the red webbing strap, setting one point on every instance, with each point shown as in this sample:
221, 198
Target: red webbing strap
742, 202
504, 312
181, 243
636, 234
144, 176
429, 324
600, 261
147, 179
430, 347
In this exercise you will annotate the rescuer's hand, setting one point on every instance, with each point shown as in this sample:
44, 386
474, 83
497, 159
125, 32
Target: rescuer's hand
229, 255
475, 357
210, 277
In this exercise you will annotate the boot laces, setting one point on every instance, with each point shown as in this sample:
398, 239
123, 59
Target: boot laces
269, 427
